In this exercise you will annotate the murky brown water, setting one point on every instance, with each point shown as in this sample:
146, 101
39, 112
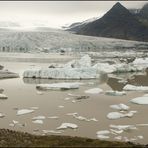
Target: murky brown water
22, 93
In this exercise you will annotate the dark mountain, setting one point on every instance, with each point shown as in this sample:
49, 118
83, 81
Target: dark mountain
143, 15
118, 22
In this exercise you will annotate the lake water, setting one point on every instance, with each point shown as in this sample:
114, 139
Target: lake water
22, 94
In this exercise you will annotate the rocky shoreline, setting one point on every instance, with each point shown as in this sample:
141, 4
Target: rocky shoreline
10, 138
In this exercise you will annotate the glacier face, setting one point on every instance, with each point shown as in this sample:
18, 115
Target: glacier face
47, 40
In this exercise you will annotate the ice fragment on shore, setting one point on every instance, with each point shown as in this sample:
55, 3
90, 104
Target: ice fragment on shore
67, 125
94, 91
24, 111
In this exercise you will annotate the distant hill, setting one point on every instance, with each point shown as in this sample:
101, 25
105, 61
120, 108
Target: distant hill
118, 22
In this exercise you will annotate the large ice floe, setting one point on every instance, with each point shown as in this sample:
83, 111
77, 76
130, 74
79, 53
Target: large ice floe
140, 100
81, 69
130, 87
58, 86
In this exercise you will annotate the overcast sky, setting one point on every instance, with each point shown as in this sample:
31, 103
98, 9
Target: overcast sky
56, 13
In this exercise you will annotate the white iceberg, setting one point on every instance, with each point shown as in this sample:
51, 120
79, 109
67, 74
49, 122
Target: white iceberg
24, 111
38, 121
130, 87
67, 125
94, 91
58, 86
39, 118
115, 93
63, 73
85, 61
140, 100
118, 138
3, 96
61, 106
141, 61
120, 106
114, 131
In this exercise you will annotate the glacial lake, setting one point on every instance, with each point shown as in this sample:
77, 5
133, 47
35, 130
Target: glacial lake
22, 94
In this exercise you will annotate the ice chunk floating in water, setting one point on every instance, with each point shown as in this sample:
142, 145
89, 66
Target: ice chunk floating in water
3, 96
115, 93
120, 106
117, 115
140, 100
94, 91
135, 88
67, 125
58, 86
24, 111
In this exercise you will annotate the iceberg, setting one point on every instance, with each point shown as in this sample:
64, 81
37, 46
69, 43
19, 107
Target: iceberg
120, 106
24, 111
63, 73
58, 86
2, 115
85, 61
103, 137
67, 125
53, 117
141, 62
94, 91
140, 100
115, 93
130, 87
